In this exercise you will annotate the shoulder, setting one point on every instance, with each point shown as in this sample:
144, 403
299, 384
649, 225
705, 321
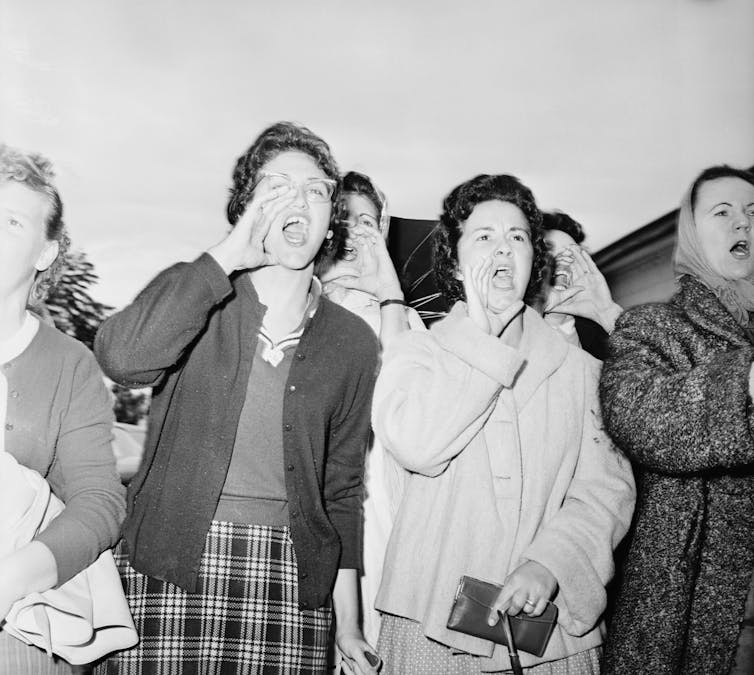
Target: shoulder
70, 357
649, 313
52, 344
62, 365
344, 331
652, 321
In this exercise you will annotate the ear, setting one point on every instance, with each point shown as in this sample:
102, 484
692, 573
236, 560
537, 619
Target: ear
47, 256
458, 274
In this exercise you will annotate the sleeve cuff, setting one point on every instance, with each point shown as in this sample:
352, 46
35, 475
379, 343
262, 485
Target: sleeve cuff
459, 334
214, 275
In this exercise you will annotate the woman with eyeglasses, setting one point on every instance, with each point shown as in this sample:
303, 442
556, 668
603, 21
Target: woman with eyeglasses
244, 520
362, 278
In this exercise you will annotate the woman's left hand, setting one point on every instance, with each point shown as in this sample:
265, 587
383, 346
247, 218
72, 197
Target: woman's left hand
528, 588
378, 276
588, 296
353, 650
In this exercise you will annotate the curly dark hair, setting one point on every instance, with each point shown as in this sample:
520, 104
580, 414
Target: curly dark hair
282, 137
457, 207
35, 172
715, 172
557, 220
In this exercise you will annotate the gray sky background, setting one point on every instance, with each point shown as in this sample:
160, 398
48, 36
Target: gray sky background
607, 109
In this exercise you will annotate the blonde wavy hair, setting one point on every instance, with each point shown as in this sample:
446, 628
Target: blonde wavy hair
35, 172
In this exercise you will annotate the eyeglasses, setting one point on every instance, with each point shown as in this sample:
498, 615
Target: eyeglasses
316, 190
363, 220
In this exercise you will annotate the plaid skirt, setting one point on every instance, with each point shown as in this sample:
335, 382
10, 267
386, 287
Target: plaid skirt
243, 618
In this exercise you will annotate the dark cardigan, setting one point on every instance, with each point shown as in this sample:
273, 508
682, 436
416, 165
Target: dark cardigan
191, 335
675, 397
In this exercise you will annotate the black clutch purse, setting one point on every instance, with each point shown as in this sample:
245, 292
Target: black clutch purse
472, 605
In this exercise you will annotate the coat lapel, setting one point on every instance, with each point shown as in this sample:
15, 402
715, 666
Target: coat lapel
704, 309
543, 350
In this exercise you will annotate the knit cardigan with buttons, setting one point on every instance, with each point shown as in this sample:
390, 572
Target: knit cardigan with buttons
58, 422
191, 335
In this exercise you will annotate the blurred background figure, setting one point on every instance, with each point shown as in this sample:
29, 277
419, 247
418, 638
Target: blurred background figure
362, 278
576, 298
676, 393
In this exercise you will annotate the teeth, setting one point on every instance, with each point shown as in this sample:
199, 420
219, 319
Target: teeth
295, 220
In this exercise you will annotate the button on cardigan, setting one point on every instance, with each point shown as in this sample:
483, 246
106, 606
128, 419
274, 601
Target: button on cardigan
190, 334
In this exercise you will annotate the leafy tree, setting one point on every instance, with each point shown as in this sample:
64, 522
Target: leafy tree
73, 310
71, 307
131, 405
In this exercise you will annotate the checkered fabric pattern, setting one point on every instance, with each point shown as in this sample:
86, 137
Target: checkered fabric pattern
244, 617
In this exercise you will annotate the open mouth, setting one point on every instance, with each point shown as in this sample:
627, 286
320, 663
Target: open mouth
295, 230
741, 250
502, 277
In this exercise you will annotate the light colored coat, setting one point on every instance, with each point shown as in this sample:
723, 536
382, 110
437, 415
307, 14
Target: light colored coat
510, 463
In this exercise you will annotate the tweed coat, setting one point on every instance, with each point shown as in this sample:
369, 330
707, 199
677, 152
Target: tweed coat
675, 397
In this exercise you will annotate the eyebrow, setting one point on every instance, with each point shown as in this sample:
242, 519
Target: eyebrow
18, 212
719, 204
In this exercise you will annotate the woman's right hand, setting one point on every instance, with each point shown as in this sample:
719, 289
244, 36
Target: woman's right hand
377, 272
29, 569
243, 248
476, 284
7, 598
528, 588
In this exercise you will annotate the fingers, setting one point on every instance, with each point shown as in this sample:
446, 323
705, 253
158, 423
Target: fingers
481, 274
558, 300
537, 608
357, 656
588, 262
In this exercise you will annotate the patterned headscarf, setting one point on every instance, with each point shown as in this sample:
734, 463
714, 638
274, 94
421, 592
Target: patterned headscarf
737, 296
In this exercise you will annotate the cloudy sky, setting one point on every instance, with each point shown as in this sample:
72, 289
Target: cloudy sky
605, 108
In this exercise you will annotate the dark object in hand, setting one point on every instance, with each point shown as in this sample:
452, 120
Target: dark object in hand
473, 603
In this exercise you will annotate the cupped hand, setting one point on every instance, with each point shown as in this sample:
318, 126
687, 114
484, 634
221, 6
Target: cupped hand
356, 654
243, 247
528, 588
589, 295
377, 274
476, 284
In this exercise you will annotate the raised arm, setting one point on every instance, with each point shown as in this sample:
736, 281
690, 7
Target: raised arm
436, 389
138, 344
